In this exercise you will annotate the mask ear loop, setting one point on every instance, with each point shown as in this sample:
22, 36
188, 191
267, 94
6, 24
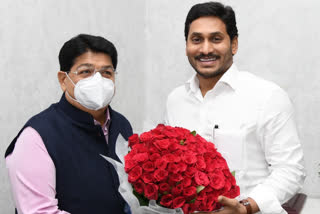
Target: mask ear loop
68, 92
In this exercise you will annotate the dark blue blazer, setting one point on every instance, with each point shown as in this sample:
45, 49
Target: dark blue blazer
85, 182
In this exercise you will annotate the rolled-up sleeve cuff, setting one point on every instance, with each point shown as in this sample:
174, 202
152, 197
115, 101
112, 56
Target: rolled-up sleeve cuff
266, 200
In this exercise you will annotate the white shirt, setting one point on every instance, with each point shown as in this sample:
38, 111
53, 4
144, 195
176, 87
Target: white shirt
256, 133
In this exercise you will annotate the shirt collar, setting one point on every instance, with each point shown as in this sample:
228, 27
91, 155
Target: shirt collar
107, 122
192, 84
229, 78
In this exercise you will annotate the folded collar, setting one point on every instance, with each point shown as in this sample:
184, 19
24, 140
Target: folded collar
230, 78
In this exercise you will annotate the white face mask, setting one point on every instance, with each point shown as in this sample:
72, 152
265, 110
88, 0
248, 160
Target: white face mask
94, 92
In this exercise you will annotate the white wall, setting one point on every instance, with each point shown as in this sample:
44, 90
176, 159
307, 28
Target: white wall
278, 41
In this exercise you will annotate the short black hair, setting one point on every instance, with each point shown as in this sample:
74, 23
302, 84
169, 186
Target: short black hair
83, 43
225, 13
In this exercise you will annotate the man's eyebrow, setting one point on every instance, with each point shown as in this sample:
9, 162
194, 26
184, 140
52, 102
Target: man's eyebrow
212, 34
106, 67
216, 33
92, 66
85, 65
195, 34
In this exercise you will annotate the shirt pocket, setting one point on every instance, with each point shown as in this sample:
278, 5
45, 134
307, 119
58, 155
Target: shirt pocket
230, 143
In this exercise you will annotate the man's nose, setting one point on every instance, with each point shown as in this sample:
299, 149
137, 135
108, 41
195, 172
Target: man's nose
206, 48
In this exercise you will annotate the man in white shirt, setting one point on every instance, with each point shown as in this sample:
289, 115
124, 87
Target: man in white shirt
249, 119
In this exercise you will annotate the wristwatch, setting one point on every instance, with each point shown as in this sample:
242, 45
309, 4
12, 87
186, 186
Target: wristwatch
247, 204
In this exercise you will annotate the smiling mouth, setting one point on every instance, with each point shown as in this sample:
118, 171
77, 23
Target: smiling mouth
208, 59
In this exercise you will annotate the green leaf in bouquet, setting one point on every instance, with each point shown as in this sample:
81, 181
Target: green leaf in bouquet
194, 133
200, 188
192, 201
233, 173
143, 201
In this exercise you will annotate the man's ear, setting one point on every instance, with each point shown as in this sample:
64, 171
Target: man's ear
62, 77
234, 45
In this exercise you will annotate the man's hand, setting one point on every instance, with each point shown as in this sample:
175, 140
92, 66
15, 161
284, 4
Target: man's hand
231, 206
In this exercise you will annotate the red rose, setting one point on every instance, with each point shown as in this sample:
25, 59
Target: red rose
233, 192
227, 186
173, 168
217, 180
229, 176
191, 139
147, 178
161, 163
138, 148
166, 200
176, 177
153, 149
182, 166
139, 186
160, 174
210, 165
177, 158
154, 156
190, 172
182, 132
201, 178
174, 145
190, 192
189, 157
202, 196
202, 140
164, 188
162, 144
159, 129
186, 182
192, 147
178, 153
211, 202
195, 206
210, 147
185, 208
177, 190
170, 133
148, 166
134, 174
133, 139
221, 163
164, 152
201, 164
158, 137
151, 191
178, 202
169, 158
146, 137
129, 164
141, 157
210, 155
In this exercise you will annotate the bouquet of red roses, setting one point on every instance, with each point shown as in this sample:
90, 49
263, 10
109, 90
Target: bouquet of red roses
178, 169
